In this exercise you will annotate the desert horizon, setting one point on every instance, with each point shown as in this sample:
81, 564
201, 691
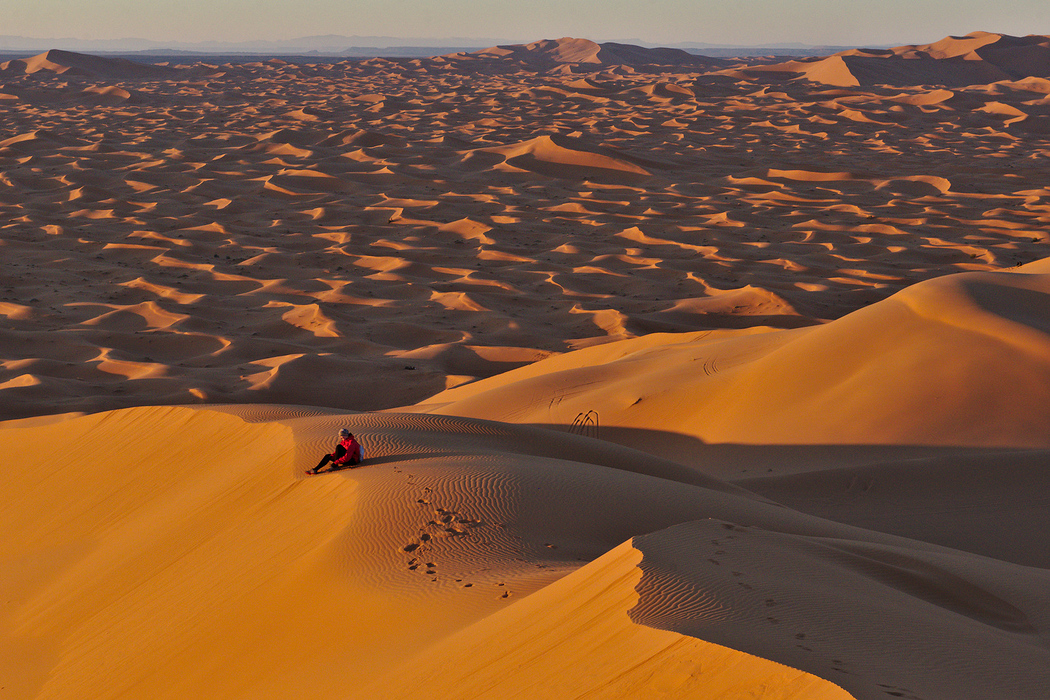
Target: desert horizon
676, 375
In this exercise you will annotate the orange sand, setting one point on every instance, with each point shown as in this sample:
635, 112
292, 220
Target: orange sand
676, 378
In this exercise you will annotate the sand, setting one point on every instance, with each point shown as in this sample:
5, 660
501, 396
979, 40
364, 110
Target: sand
676, 377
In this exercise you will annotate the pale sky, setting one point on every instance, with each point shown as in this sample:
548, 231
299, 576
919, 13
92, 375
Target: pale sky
745, 22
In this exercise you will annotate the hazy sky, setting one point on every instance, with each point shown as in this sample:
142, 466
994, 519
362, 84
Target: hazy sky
749, 22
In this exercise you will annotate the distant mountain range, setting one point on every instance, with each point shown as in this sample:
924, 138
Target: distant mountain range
337, 45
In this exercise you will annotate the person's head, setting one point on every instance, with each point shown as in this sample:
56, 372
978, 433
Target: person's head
344, 433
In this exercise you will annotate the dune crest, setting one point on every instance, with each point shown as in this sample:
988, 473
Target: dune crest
610, 657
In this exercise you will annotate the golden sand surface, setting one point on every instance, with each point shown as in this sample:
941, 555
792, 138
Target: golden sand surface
676, 377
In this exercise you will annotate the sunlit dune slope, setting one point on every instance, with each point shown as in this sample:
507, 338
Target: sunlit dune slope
875, 617
959, 360
164, 552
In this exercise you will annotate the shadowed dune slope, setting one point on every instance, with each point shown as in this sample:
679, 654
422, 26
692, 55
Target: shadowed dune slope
961, 360
930, 622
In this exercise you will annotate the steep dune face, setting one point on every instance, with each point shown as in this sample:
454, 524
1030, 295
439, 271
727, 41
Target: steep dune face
577, 639
959, 360
569, 158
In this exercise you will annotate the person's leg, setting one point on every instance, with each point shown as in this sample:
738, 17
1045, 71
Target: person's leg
325, 460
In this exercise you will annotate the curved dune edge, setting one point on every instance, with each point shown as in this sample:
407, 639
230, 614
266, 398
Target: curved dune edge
959, 360
574, 639
880, 618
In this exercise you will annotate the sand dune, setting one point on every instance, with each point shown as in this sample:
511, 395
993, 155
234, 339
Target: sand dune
79, 64
891, 373
580, 54
975, 59
567, 158
454, 520
607, 656
676, 377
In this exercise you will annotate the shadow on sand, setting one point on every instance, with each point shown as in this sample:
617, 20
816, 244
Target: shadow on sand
974, 499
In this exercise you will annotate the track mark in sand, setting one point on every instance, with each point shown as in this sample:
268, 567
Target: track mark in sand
441, 524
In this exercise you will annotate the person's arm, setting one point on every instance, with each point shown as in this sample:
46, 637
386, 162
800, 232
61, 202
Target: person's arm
339, 455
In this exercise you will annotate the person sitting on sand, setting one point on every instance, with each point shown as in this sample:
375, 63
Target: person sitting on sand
347, 453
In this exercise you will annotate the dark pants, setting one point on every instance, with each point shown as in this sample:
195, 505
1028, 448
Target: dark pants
340, 451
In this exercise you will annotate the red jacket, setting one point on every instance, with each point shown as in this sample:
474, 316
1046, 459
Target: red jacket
350, 454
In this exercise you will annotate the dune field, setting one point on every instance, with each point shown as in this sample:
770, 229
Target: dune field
677, 377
